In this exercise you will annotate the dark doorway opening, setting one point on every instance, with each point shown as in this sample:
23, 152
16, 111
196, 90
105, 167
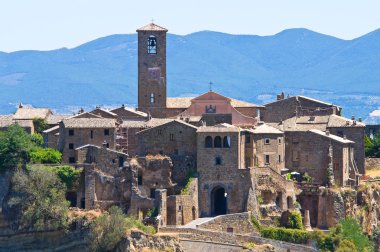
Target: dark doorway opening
219, 201
194, 213
72, 198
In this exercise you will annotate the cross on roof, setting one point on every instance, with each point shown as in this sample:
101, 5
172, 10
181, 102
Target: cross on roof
210, 85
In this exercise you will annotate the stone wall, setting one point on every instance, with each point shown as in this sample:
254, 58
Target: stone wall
309, 152
239, 223
45, 241
372, 163
355, 134
183, 209
275, 149
173, 138
230, 238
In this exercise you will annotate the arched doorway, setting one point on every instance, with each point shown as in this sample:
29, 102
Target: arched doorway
218, 201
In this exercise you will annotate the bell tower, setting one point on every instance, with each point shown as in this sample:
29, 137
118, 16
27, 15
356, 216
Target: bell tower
152, 69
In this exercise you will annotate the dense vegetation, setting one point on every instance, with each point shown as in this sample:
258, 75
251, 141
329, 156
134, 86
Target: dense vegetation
372, 146
109, 229
346, 236
38, 200
17, 148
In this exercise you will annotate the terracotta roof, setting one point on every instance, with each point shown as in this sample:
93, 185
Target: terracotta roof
223, 127
306, 98
331, 136
85, 115
31, 113
131, 110
99, 147
145, 124
185, 102
266, 129
24, 123
152, 27
173, 121
339, 121
5, 120
97, 110
89, 123
55, 119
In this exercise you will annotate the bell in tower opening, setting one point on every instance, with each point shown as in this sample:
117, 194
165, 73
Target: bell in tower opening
152, 45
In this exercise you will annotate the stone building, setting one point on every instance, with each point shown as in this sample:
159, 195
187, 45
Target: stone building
172, 138
269, 147
296, 106
314, 151
77, 132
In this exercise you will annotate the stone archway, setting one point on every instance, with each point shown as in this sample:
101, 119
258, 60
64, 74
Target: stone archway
218, 201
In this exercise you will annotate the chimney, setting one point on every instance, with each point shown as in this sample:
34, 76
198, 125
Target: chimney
122, 105
327, 132
20, 105
360, 119
353, 118
344, 137
280, 96
81, 110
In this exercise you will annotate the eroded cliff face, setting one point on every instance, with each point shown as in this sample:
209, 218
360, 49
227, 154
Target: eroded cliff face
137, 241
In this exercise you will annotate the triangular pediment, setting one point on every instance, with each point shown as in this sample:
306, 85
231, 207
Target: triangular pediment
211, 95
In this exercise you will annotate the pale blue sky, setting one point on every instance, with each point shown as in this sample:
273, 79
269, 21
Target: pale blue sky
50, 24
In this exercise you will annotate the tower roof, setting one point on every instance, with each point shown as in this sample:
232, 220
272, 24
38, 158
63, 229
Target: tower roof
152, 27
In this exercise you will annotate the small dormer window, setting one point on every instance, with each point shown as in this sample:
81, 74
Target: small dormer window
152, 45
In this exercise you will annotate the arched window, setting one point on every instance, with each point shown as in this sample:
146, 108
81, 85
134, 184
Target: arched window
152, 45
208, 142
227, 142
218, 161
151, 98
218, 142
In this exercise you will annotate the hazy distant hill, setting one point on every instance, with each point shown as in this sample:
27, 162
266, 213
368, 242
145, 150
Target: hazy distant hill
253, 68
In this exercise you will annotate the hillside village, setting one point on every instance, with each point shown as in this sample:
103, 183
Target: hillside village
209, 163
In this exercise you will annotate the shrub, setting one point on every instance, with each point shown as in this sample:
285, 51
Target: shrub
37, 139
107, 230
260, 200
39, 200
346, 246
40, 125
291, 219
152, 212
350, 229
134, 223
286, 234
255, 222
68, 175
45, 156
185, 190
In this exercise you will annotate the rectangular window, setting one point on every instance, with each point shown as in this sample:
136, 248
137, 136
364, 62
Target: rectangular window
106, 132
171, 137
71, 146
247, 139
92, 134
139, 179
279, 141
179, 208
71, 160
71, 132
279, 158
153, 193
267, 159
267, 141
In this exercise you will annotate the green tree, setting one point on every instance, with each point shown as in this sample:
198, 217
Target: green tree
45, 156
68, 175
15, 145
39, 199
40, 125
108, 230
351, 230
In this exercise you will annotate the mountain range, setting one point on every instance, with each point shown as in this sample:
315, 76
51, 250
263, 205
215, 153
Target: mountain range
247, 67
